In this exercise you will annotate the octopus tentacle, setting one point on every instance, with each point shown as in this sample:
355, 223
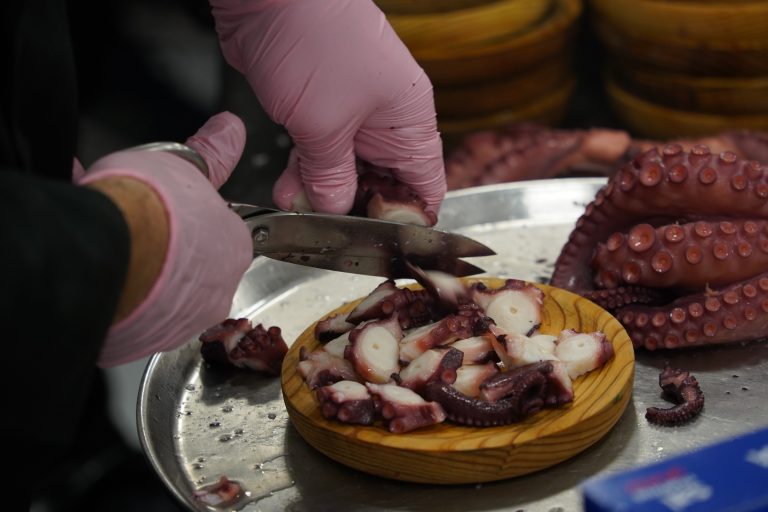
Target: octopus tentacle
683, 389
687, 232
736, 312
683, 255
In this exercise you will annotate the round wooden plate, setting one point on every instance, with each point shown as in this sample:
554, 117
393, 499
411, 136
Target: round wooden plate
723, 23
451, 454
649, 119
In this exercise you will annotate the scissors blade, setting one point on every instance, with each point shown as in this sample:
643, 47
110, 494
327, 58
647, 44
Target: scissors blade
393, 268
357, 236
357, 244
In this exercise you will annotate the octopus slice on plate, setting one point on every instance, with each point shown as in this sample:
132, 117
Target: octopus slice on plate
515, 307
346, 401
404, 410
434, 364
374, 349
319, 368
413, 308
464, 324
470, 376
582, 352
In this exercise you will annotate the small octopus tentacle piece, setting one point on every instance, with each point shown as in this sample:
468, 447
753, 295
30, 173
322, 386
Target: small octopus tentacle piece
220, 493
238, 343
319, 368
683, 389
404, 410
507, 397
347, 401
413, 308
381, 196
691, 228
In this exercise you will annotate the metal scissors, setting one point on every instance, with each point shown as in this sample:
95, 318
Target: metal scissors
345, 243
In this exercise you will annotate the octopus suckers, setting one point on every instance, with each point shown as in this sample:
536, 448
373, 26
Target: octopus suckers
707, 176
641, 237
662, 261
712, 304
693, 254
720, 250
744, 249
651, 175
695, 309
703, 229
677, 315
700, 150
730, 322
728, 157
674, 233
677, 173
739, 182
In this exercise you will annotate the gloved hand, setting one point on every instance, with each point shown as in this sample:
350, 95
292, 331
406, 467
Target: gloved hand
209, 247
336, 75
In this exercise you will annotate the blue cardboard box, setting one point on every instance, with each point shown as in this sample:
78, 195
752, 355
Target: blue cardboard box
730, 476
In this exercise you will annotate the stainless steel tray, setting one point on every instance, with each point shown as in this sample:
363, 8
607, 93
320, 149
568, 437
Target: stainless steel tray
196, 424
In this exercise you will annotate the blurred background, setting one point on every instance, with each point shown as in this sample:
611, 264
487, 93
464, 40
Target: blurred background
152, 70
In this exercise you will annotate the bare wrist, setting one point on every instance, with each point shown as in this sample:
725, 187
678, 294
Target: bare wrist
149, 230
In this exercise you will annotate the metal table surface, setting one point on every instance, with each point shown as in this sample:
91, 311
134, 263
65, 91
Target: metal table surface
196, 423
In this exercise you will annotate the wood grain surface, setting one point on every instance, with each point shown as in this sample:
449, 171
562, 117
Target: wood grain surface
514, 92
453, 454
648, 119
682, 55
505, 55
711, 95
548, 108
426, 6
723, 23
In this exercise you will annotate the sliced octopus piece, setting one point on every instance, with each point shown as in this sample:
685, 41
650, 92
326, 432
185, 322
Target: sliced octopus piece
346, 401
374, 349
582, 352
434, 364
404, 410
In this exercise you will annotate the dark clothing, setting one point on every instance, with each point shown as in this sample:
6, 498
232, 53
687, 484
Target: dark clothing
64, 248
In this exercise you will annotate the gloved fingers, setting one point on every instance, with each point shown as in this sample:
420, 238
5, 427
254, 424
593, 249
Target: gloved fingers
288, 192
329, 174
78, 171
220, 141
404, 139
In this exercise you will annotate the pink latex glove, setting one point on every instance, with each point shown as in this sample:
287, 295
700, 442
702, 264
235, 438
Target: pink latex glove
336, 75
209, 246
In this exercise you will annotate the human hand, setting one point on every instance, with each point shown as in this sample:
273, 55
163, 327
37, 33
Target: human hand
336, 75
188, 249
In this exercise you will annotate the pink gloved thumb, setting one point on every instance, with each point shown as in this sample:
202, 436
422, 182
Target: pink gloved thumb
220, 141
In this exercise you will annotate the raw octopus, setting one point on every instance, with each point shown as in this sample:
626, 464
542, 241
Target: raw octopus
528, 151
235, 342
676, 246
466, 353
681, 388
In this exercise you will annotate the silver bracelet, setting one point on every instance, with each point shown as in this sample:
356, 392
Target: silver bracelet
182, 150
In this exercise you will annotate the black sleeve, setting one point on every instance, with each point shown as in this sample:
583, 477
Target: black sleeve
64, 256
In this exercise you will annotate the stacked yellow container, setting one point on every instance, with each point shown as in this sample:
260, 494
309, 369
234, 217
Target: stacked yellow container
681, 68
491, 62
